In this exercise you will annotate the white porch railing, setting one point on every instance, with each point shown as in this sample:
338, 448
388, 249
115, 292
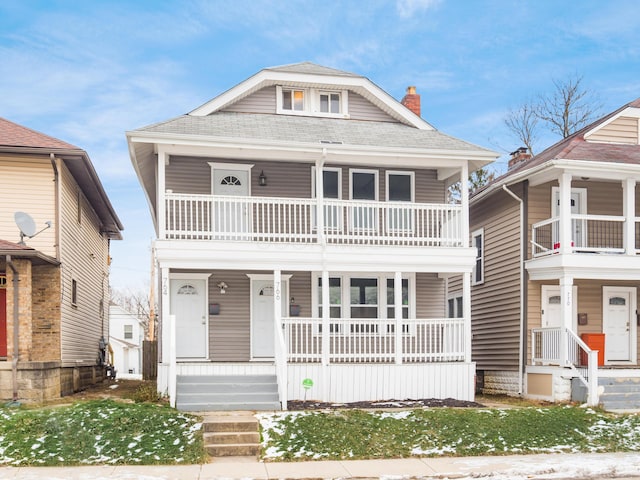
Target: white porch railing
374, 340
589, 233
293, 220
546, 348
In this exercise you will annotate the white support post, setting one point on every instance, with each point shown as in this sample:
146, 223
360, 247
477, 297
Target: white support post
325, 318
629, 192
161, 209
565, 213
397, 304
592, 366
464, 199
277, 299
165, 309
320, 198
173, 368
466, 313
566, 312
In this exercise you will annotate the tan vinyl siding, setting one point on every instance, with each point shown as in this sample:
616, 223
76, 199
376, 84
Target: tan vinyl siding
262, 101
621, 130
430, 302
84, 253
362, 109
287, 179
26, 185
495, 304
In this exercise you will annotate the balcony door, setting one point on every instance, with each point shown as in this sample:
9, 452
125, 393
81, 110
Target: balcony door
363, 189
231, 217
578, 226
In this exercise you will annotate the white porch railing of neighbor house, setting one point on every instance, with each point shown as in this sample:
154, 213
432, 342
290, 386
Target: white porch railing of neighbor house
294, 220
589, 233
374, 340
547, 349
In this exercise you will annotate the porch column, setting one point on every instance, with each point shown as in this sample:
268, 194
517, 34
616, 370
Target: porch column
629, 193
464, 199
565, 213
566, 313
397, 304
325, 318
161, 210
277, 299
466, 314
165, 309
320, 197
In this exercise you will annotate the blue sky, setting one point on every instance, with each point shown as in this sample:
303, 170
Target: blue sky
87, 71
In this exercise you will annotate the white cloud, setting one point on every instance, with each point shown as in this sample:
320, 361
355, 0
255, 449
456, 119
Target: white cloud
408, 8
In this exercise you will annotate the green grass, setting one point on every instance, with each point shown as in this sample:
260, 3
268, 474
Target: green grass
356, 434
99, 432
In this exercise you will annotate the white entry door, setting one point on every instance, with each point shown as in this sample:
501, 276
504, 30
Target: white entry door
551, 304
231, 217
262, 327
578, 207
188, 304
617, 324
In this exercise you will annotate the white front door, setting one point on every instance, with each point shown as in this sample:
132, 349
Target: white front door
231, 216
188, 304
551, 303
578, 207
617, 324
262, 317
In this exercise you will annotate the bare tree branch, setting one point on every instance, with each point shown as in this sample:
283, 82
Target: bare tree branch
523, 124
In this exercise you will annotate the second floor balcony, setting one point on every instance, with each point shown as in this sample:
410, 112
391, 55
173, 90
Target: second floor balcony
311, 220
603, 234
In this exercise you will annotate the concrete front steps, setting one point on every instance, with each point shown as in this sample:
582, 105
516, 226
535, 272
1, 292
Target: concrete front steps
227, 392
232, 435
616, 393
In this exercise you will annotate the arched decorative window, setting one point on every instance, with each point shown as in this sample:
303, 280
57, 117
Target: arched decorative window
187, 290
231, 180
617, 301
554, 300
266, 291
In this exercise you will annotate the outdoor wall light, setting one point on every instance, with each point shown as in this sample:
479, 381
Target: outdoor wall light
263, 179
223, 287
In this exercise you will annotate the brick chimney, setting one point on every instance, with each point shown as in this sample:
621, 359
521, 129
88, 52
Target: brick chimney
412, 100
521, 155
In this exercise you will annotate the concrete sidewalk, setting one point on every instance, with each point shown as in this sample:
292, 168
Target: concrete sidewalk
544, 466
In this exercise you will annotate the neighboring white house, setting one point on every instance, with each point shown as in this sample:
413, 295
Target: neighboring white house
126, 333
290, 280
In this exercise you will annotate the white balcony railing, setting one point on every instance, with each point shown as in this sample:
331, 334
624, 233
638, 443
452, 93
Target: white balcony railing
374, 340
589, 233
294, 220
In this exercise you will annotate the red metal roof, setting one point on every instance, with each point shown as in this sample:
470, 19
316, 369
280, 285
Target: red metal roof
6, 245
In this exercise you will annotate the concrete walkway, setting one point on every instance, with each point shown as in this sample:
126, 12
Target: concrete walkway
513, 467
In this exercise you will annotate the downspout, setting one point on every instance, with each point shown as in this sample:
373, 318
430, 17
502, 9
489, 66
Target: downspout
16, 319
522, 290
56, 181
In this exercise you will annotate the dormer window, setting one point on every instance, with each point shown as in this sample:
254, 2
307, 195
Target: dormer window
329, 102
293, 100
311, 102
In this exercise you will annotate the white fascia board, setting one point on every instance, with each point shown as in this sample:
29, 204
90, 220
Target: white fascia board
210, 255
136, 167
627, 112
181, 144
585, 266
361, 85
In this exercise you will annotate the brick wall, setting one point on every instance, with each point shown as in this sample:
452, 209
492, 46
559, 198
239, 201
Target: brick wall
46, 313
24, 310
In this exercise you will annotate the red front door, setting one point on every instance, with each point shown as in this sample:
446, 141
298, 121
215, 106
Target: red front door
3, 322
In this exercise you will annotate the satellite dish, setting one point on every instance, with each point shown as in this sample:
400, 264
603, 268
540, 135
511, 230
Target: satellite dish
26, 224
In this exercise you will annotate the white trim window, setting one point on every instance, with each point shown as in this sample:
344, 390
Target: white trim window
335, 302
329, 102
292, 99
477, 241
363, 186
454, 306
311, 102
128, 332
400, 187
332, 190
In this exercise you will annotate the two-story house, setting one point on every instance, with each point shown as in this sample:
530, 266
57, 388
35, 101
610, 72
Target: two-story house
558, 270
304, 236
126, 334
54, 277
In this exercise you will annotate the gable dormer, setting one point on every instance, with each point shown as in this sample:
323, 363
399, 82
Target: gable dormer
318, 102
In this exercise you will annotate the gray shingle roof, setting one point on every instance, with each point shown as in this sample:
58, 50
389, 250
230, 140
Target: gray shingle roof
298, 129
310, 68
